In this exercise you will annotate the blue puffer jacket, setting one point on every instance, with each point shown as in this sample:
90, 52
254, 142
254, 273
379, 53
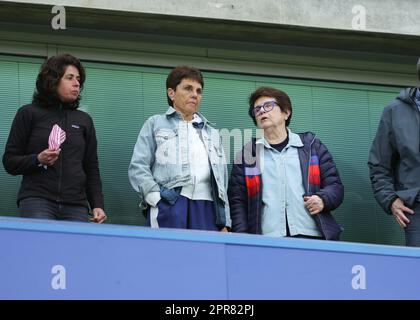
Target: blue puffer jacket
320, 177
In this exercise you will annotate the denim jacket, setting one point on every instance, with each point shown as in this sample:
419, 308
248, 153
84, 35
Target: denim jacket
160, 161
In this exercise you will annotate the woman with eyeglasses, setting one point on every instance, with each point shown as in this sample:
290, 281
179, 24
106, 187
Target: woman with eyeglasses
283, 184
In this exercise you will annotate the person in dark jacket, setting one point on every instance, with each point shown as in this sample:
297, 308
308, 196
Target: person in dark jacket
394, 162
53, 145
284, 184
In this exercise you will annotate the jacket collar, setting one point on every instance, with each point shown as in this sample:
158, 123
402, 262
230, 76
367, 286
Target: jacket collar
294, 140
198, 118
170, 112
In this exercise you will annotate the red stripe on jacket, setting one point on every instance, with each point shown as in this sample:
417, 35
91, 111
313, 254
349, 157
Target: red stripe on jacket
314, 174
253, 185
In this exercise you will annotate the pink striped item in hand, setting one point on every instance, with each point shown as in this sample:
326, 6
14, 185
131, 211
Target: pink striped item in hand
56, 138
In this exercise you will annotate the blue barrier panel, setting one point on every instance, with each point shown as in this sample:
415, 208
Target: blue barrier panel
42, 259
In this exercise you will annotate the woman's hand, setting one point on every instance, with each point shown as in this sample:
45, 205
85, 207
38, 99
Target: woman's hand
48, 157
314, 204
99, 215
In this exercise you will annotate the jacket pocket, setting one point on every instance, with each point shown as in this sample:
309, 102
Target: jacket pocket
166, 166
328, 227
166, 146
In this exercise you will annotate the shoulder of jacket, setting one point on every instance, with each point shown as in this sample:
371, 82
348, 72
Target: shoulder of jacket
80, 113
212, 130
394, 104
29, 106
29, 109
399, 102
308, 137
154, 118
393, 108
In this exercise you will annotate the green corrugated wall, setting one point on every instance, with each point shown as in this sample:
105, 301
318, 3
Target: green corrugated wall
119, 98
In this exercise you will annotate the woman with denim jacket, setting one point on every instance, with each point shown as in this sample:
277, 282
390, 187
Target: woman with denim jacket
284, 184
178, 165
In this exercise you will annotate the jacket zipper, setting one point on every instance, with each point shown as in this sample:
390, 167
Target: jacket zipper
60, 170
413, 101
309, 164
259, 203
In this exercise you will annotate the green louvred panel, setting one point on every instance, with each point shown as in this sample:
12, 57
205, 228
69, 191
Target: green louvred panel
9, 102
114, 100
17, 82
154, 99
120, 98
224, 105
341, 118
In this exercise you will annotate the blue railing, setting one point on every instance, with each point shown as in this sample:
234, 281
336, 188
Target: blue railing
42, 259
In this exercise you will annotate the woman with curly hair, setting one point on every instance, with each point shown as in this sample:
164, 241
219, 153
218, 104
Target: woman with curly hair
53, 146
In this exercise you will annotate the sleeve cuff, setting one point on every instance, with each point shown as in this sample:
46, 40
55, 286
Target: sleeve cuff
152, 198
37, 163
35, 157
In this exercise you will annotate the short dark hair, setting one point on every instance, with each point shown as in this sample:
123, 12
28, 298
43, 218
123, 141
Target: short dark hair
50, 75
281, 98
178, 74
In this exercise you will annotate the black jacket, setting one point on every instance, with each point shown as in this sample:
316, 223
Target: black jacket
394, 158
320, 177
74, 178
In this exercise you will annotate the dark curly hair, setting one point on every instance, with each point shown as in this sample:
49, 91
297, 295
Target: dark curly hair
281, 98
178, 74
49, 77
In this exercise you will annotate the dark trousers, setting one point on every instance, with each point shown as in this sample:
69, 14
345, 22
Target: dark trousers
183, 214
412, 231
39, 208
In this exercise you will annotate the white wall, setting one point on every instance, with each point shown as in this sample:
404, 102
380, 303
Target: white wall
387, 16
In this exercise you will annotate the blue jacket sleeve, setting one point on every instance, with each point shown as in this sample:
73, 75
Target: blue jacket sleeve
140, 169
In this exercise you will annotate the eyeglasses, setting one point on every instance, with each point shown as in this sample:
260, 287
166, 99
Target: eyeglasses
267, 106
